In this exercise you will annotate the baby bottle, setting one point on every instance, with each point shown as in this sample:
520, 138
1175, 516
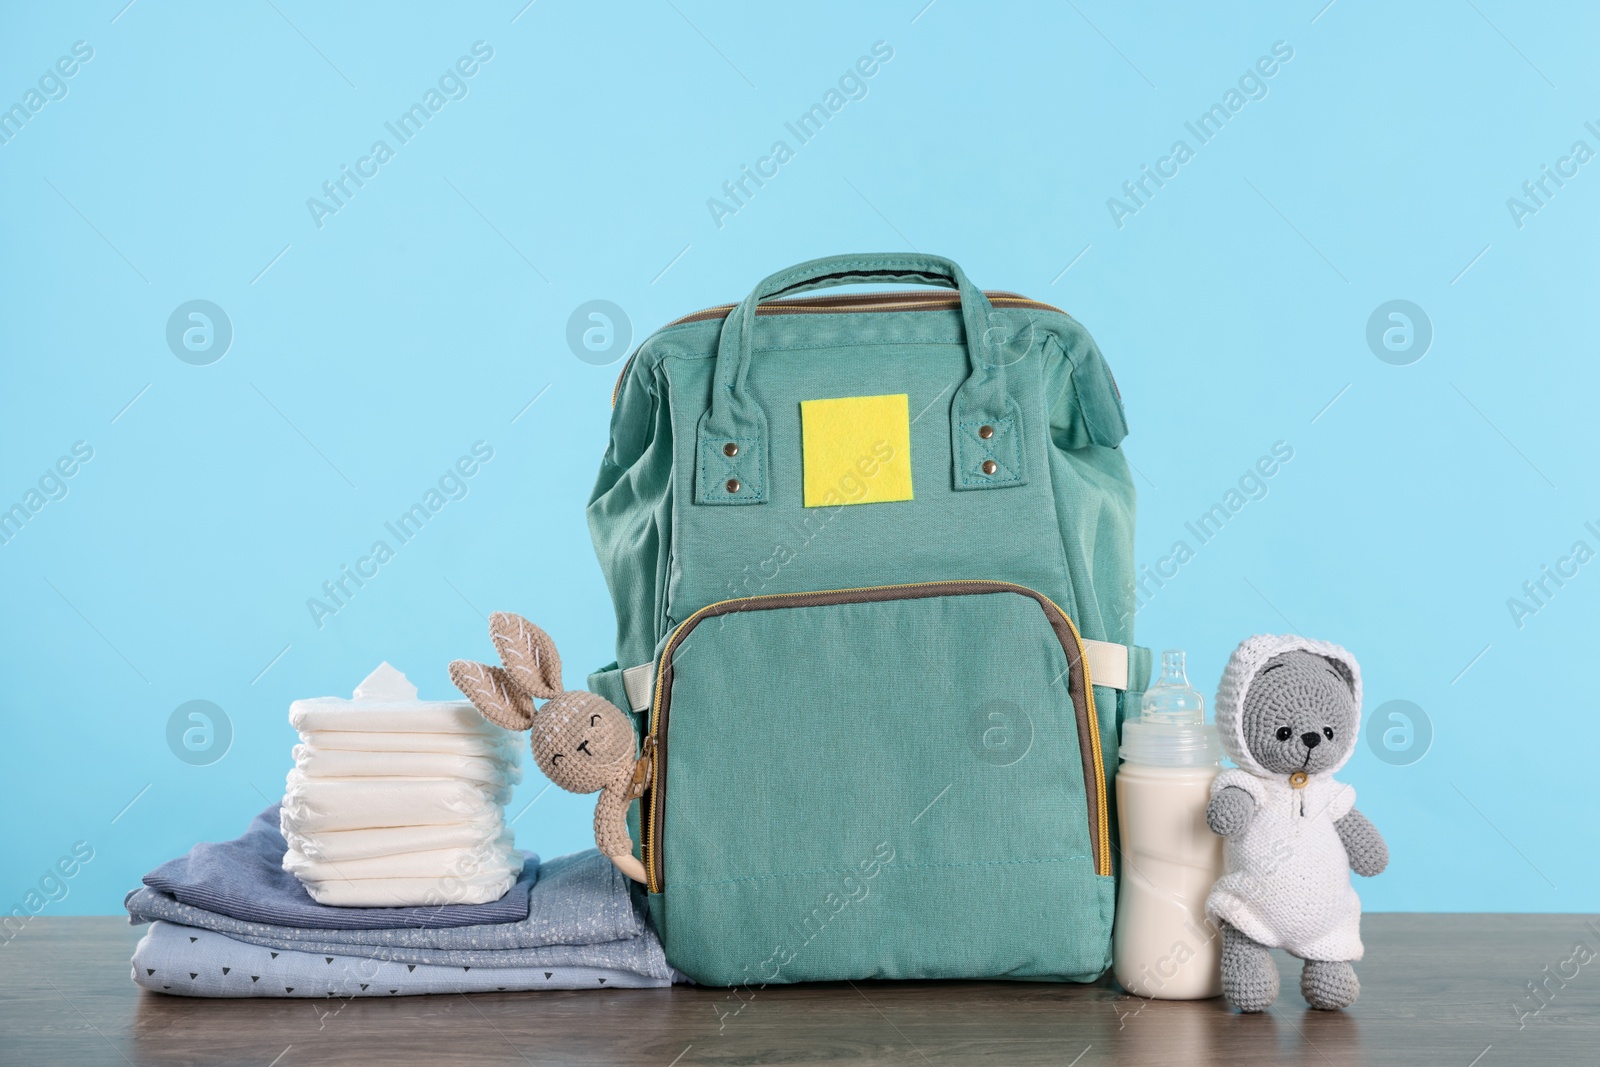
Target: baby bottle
1162, 944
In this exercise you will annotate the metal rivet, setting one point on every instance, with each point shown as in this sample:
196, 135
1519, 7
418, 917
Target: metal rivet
985, 432
733, 485
730, 450
990, 466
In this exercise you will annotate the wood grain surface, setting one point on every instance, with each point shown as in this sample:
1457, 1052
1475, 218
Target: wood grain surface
1436, 989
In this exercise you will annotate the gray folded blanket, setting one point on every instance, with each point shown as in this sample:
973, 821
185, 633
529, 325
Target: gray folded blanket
581, 913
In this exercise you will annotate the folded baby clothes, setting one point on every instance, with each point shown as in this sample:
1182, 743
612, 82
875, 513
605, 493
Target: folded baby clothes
581, 912
401, 767
313, 762
184, 961
244, 881
335, 846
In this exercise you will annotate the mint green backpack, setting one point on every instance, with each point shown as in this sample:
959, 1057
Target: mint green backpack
872, 559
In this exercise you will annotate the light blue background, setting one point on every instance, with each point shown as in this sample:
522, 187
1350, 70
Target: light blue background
433, 307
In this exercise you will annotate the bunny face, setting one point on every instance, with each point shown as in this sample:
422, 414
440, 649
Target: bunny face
1299, 714
581, 741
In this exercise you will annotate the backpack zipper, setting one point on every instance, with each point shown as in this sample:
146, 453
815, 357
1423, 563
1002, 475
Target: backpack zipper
654, 802
848, 303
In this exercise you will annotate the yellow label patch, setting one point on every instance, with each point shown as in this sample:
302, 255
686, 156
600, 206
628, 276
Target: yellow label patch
857, 450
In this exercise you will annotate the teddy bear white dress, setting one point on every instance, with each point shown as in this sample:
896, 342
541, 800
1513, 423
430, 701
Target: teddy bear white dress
1288, 710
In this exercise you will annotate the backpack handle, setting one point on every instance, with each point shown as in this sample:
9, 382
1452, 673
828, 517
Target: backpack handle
852, 276
735, 421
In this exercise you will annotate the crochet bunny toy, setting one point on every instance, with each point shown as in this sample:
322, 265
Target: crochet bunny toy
582, 742
1289, 713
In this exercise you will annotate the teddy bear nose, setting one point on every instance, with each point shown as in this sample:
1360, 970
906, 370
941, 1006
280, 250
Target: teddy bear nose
1311, 740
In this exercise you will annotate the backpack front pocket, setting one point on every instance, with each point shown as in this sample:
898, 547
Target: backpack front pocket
891, 782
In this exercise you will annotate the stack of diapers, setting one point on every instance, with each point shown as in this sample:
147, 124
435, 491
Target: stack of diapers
226, 921
396, 802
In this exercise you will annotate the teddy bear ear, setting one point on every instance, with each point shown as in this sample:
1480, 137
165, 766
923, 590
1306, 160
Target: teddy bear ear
1342, 669
528, 653
494, 695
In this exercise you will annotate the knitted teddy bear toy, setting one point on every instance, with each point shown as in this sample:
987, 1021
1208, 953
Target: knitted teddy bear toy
1289, 713
582, 742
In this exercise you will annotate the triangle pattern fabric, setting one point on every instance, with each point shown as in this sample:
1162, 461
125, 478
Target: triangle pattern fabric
171, 954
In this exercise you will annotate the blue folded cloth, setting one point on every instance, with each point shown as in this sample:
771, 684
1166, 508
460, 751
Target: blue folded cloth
186, 961
244, 880
580, 913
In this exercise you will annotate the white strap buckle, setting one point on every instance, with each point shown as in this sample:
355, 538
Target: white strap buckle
638, 683
1108, 663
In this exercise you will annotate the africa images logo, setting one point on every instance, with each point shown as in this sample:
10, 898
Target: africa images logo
452, 85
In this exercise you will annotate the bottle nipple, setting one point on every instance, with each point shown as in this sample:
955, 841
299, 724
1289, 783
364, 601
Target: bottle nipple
1171, 729
1172, 699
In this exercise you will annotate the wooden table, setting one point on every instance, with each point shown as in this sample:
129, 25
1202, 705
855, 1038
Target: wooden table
1437, 989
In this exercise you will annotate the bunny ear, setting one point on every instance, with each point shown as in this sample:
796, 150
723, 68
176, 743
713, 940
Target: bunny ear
493, 693
528, 653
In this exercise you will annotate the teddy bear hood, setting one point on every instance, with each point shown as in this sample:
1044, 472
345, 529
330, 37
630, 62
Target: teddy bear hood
1246, 661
